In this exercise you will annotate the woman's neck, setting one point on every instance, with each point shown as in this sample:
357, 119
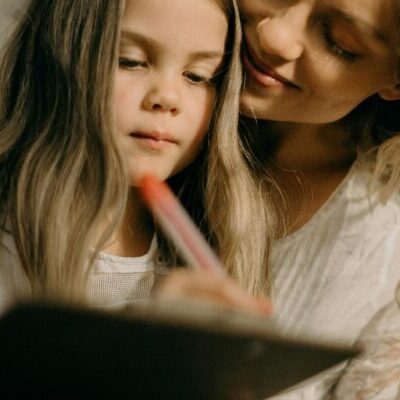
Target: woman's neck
307, 161
307, 148
133, 236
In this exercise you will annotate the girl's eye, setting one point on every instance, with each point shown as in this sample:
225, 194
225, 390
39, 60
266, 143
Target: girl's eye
197, 78
335, 48
128, 63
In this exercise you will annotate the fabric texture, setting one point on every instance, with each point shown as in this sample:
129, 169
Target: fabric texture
113, 282
335, 273
120, 281
375, 374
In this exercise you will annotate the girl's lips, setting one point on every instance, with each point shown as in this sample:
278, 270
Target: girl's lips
263, 74
154, 135
154, 140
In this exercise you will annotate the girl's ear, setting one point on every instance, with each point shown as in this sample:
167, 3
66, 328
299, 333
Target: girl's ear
390, 93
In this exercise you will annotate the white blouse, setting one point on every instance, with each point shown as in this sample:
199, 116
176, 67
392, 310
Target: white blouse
375, 374
331, 276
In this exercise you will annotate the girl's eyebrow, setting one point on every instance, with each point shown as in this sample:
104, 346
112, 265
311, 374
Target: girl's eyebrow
140, 39
202, 55
148, 42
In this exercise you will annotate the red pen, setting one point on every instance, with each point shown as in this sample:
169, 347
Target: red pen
178, 225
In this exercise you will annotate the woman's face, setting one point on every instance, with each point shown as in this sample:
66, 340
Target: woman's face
313, 61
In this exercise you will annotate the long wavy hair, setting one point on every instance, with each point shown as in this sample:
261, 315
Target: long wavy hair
239, 206
61, 175
222, 190
60, 172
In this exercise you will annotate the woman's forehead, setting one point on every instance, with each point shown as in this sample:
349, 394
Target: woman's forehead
371, 16
380, 18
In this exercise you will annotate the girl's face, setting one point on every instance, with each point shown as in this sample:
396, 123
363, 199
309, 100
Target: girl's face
164, 93
313, 61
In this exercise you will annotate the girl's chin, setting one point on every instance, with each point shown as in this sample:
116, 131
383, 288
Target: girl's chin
135, 180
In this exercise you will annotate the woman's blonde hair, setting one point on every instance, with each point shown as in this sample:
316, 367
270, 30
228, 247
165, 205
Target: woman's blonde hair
61, 175
383, 122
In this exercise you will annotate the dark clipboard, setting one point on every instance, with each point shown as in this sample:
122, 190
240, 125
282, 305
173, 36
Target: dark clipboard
165, 352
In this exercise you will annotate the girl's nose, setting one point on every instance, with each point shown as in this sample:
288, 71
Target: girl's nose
163, 96
282, 35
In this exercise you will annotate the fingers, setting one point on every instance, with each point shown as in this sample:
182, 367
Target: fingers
206, 286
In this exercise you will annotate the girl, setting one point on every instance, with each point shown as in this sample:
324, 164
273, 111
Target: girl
94, 94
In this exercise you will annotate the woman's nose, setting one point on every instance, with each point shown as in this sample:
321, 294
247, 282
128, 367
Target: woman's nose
163, 95
282, 35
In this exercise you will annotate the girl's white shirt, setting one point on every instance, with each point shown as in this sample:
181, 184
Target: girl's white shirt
119, 281
113, 281
331, 276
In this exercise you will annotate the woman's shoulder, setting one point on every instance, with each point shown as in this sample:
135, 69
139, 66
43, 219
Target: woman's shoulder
353, 209
366, 208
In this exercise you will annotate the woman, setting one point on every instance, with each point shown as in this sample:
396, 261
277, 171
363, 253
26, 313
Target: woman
322, 76
321, 84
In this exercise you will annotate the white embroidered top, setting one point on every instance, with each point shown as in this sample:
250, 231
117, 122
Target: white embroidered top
113, 282
331, 276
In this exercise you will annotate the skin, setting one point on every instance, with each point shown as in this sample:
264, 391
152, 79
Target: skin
169, 52
321, 53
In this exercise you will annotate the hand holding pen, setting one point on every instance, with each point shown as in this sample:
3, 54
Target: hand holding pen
208, 281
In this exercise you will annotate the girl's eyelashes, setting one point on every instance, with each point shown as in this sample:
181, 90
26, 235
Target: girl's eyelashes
192, 77
198, 78
335, 48
130, 63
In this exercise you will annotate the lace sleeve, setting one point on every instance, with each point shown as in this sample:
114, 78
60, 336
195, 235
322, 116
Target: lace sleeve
375, 374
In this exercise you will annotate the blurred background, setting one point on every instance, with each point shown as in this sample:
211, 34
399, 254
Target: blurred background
9, 12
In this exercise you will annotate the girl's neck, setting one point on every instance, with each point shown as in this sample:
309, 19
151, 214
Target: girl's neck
133, 236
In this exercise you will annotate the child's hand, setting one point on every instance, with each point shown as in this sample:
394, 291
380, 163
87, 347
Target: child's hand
206, 286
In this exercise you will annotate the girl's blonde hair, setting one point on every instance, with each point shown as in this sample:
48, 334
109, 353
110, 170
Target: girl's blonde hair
61, 175
223, 190
60, 172
238, 204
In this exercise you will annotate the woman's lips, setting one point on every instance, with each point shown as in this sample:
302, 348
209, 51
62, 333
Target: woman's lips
263, 74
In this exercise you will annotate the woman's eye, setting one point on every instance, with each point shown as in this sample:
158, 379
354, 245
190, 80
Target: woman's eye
335, 48
129, 63
197, 78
